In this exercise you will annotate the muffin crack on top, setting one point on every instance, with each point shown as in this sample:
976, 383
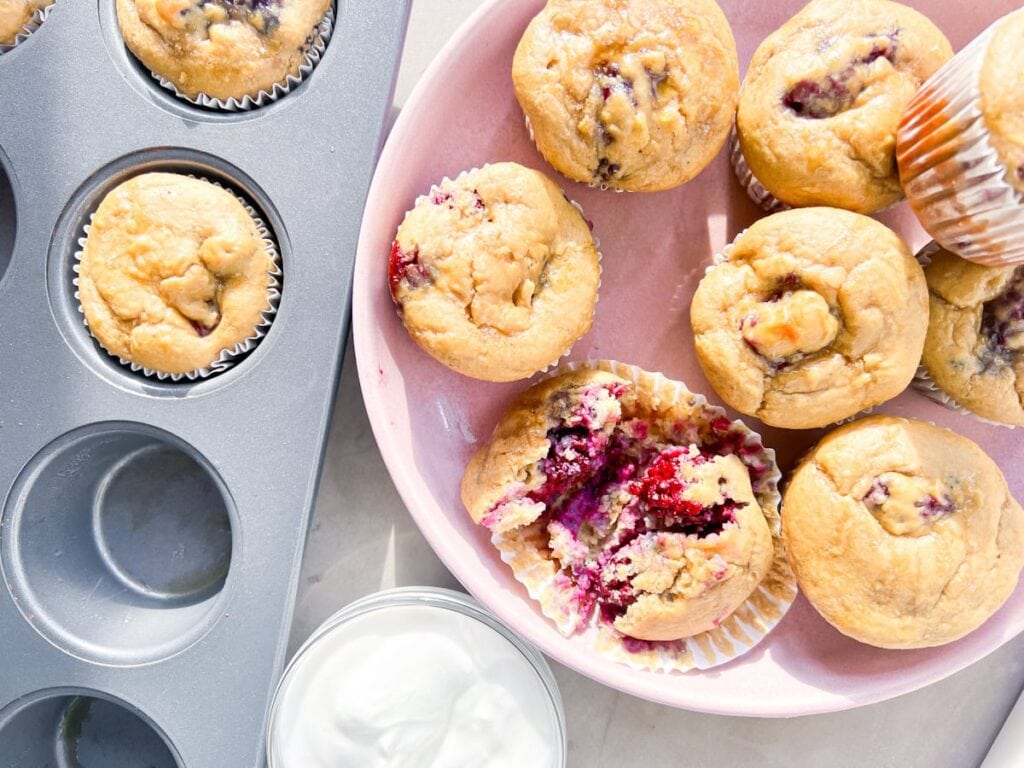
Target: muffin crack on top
223, 49
797, 326
173, 272
902, 534
822, 100
628, 94
496, 273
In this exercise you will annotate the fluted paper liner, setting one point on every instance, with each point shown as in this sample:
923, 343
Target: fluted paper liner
315, 46
597, 247
757, 191
951, 173
526, 551
228, 357
30, 26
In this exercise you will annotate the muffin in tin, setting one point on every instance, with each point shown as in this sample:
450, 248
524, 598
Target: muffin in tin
974, 351
628, 94
496, 273
16, 16
823, 97
961, 148
649, 515
902, 534
173, 274
221, 48
810, 316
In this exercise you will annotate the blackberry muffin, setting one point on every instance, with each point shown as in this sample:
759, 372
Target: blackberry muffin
821, 102
173, 273
629, 94
495, 274
225, 49
15, 15
646, 516
902, 534
974, 351
961, 148
812, 315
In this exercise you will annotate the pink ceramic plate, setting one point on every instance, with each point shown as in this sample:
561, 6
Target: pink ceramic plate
429, 420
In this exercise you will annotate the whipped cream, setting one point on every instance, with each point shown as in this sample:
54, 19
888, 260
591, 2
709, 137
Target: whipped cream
413, 686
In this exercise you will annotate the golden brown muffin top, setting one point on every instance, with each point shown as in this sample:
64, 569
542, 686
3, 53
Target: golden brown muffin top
630, 94
975, 346
220, 48
173, 272
495, 273
815, 314
823, 97
902, 534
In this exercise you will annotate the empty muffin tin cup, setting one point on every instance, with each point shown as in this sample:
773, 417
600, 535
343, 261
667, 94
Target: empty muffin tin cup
117, 542
228, 357
521, 681
34, 22
316, 44
8, 217
80, 729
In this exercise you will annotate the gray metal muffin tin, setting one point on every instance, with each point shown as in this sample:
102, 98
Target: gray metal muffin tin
151, 533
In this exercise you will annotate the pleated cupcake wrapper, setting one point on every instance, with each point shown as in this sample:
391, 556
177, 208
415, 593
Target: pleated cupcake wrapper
316, 44
958, 185
592, 185
525, 550
597, 246
30, 26
227, 357
757, 191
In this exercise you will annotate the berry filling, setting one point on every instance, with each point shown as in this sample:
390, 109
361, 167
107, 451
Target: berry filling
932, 506
261, 15
406, 266
835, 93
1002, 319
201, 330
908, 505
622, 506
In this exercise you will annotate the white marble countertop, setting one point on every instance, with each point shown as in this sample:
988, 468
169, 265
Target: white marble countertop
362, 540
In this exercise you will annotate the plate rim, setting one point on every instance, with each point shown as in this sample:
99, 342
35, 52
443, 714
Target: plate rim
616, 676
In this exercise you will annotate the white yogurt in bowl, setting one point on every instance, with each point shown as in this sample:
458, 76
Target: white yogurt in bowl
416, 678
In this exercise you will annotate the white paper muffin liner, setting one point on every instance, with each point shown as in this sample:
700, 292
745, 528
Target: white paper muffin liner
30, 26
597, 247
952, 174
524, 551
923, 381
757, 191
228, 357
315, 44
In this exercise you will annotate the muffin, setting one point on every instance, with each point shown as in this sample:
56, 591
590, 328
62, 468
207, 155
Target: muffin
810, 316
495, 274
17, 18
961, 149
173, 274
974, 351
221, 48
628, 94
823, 97
902, 534
629, 503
